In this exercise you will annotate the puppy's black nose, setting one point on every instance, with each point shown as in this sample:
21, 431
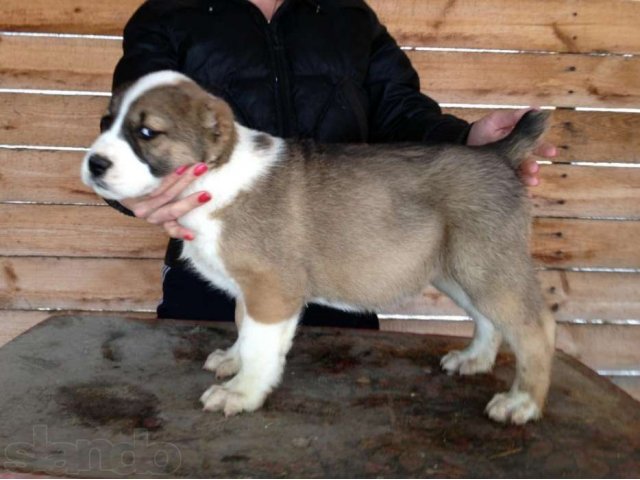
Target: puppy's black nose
98, 165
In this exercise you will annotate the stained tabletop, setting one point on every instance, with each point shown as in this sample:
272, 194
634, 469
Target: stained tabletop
112, 396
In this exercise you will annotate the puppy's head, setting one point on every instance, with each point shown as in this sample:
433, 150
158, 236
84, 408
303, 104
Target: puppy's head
163, 121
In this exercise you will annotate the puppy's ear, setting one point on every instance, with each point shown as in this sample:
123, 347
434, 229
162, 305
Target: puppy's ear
220, 130
217, 116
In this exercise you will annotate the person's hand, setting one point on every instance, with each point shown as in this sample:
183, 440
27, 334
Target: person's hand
497, 125
161, 207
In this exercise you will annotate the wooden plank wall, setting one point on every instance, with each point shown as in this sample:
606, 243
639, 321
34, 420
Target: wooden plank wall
61, 249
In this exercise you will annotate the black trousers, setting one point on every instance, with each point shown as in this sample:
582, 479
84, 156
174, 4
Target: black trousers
187, 297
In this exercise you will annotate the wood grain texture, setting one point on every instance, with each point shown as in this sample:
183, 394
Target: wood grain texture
99, 231
588, 296
68, 16
90, 231
562, 80
132, 284
553, 25
50, 120
582, 191
565, 80
564, 243
71, 121
77, 231
80, 284
58, 63
565, 190
43, 177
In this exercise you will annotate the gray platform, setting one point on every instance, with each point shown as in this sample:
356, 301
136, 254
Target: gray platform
104, 397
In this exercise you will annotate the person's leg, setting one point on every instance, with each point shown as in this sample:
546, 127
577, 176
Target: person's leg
321, 316
186, 296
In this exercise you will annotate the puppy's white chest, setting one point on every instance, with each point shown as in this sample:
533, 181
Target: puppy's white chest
204, 255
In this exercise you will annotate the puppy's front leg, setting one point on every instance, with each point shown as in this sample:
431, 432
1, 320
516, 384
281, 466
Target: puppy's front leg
261, 348
225, 363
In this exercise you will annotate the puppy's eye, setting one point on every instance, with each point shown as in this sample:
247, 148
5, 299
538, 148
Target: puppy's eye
105, 122
146, 133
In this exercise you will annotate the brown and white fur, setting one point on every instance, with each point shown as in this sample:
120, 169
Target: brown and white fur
355, 226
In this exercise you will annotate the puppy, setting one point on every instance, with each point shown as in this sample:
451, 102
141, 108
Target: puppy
359, 227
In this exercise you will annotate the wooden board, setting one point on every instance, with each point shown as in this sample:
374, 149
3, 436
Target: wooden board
80, 284
565, 80
577, 191
58, 63
71, 121
351, 404
132, 284
573, 243
566, 190
553, 25
562, 80
77, 231
89, 231
602, 347
47, 176
44, 120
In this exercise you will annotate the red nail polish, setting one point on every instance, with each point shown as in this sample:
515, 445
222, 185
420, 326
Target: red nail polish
204, 197
188, 237
182, 169
200, 169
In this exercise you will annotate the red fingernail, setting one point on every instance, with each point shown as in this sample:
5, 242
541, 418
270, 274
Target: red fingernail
182, 169
188, 236
200, 169
204, 197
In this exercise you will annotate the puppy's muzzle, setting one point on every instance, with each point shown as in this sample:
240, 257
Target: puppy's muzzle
98, 165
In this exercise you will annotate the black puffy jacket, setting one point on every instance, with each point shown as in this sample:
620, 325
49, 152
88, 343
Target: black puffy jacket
322, 69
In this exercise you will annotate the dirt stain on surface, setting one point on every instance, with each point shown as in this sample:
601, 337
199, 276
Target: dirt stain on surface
121, 405
335, 360
109, 350
197, 344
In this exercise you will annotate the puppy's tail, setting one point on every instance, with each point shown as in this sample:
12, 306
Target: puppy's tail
517, 146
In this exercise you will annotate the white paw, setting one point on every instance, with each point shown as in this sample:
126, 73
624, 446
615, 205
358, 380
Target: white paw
517, 407
231, 400
224, 363
465, 363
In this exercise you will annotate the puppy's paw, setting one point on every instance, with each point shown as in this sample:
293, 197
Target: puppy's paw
464, 363
517, 407
224, 363
230, 399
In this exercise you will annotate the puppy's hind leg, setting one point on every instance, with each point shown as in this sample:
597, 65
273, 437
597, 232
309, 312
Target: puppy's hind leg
514, 301
480, 355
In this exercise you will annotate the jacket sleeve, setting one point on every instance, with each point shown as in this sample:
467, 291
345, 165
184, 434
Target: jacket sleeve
399, 111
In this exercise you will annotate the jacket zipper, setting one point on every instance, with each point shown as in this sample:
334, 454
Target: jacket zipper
284, 110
